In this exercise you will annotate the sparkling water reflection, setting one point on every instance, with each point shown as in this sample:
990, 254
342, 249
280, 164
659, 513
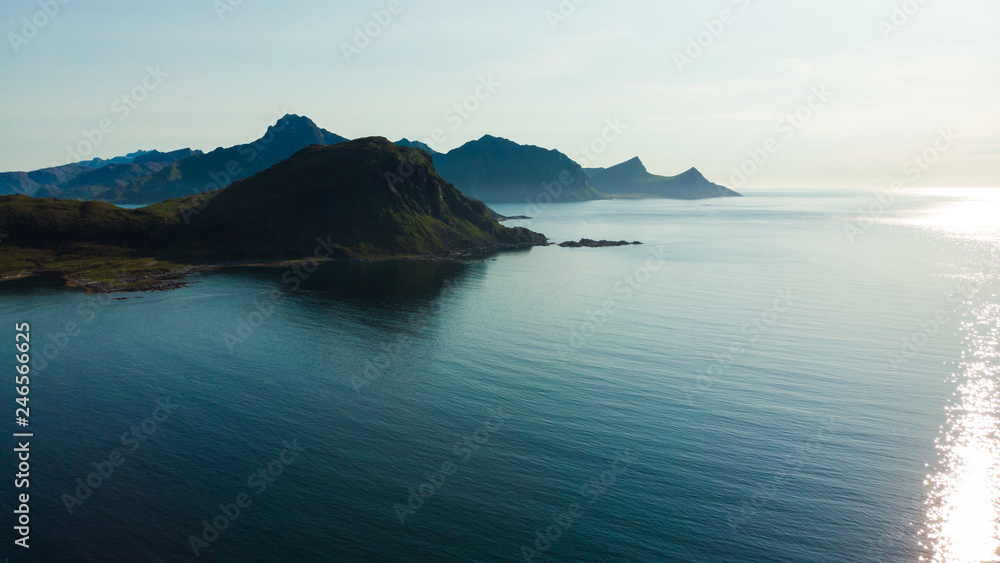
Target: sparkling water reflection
964, 505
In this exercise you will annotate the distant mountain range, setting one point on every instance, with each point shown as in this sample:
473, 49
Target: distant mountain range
632, 178
338, 199
111, 178
223, 166
490, 169
501, 171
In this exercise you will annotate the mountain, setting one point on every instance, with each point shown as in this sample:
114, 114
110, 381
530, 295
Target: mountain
497, 170
28, 183
54, 178
98, 162
632, 178
360, 199
369, 196
221, 167
145, 177
404, 142
97, 183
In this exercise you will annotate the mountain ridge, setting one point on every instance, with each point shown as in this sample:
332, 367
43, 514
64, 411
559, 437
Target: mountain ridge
631, 178
363, 199
491, 168
498, 170
222, 166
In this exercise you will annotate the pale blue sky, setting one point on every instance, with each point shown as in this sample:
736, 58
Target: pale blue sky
228, 77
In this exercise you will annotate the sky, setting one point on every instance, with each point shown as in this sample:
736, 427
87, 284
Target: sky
754, 93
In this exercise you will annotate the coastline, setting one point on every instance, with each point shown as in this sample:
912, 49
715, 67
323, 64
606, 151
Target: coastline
171, 278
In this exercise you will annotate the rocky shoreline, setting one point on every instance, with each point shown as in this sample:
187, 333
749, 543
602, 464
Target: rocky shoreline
589, 243
170, 279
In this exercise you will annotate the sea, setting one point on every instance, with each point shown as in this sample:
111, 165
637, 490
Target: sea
796, 375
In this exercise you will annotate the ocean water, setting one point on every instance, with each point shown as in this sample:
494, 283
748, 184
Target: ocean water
773, 378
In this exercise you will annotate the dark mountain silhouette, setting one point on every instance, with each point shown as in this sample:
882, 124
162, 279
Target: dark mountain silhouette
369, 195
404, 142
54, 178
490, 169
28, 183
360, 199
221, 167
97, 183
130, 157
497, 170
632, 178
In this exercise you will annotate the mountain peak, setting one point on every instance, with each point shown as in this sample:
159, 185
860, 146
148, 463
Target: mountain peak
631, 177
633, 164
296, 122
404, 142
341, 193
295, 117
499, 170
692, 174
628, 171
495, 140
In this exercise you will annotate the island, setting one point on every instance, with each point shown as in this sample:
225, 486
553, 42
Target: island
367, 199
588, 243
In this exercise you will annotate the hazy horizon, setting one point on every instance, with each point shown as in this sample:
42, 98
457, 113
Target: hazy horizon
218, 73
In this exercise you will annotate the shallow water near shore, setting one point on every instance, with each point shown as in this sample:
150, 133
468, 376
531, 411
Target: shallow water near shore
766, 378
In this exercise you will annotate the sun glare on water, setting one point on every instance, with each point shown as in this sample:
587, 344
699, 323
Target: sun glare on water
964, 505
973, 213
963, 502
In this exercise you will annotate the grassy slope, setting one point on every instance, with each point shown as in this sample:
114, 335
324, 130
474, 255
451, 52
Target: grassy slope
341, 192
91, 240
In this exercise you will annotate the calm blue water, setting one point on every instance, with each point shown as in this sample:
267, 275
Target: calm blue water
722, 393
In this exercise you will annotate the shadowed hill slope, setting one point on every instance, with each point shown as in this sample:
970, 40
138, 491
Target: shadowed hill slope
361, 199
219, 168
497, 170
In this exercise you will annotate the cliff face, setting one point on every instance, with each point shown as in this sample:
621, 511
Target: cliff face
496, 170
